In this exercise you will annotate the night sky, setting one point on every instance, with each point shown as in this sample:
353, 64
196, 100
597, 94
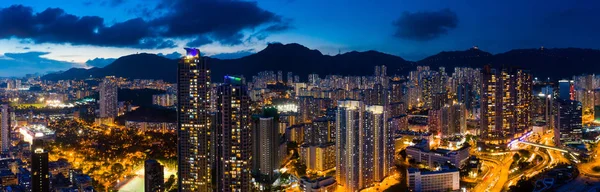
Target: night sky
38, 36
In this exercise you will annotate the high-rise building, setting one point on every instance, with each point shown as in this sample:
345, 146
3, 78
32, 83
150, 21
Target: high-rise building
266, 141
505, 104
40, 177
452, 120
233, 136
568, 123
349, 125
377, 144
279, 76
193, 119
154, 179
320, 131
109, 104
364, 145
5, 126
564, 88
307, 108
290, 79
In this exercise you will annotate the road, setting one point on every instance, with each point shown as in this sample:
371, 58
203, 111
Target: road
495, 179
587, 168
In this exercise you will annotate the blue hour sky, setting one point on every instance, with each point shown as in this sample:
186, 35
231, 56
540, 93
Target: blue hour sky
38, 36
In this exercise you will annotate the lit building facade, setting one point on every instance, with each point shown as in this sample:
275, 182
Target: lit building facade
266, 145
109, 104
5, 126
505, 104
568, 122
364, 145
40, 174
349, 124
193, 119
444, 180
233, 136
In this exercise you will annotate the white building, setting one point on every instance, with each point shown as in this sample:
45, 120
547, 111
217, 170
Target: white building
323, 184
444, 180
438, 157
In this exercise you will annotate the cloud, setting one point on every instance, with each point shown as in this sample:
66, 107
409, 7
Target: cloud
174, 55
19, 64
216, 20
53, 25
221, 21
264, 33
199, 41
425, 25
99, 62
233, 55
111, 3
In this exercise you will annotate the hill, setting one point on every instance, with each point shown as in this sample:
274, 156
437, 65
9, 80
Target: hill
554, 63
289, 57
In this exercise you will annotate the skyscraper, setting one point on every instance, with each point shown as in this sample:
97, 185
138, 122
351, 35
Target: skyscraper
266, 144
193, 121
364, 145
505, 104
564, 88
233, 136
349, 124
375, 143
40, 177
5, 126
108, 98
153, 176
568, 123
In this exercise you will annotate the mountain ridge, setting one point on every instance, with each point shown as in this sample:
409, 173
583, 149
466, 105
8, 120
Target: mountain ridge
294, 57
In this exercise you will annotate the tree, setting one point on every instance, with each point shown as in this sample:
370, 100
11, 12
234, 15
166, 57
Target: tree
117, 168
170, 182
516, 157
403, 154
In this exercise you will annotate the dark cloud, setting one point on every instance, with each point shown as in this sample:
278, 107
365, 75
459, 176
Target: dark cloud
99, 62
174, 55
425, 25
53, 25
221, 20
19, 64
264, 33
216, 20
199, 41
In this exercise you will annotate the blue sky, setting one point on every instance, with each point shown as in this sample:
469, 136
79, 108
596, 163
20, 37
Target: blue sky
38, 36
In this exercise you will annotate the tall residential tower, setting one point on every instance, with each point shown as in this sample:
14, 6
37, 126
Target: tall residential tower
108, 98
233, 139
193, 121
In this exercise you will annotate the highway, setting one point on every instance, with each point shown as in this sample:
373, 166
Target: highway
494, 180
499, 178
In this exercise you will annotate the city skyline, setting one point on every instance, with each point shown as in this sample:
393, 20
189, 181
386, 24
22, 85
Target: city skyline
244, 95
408, 29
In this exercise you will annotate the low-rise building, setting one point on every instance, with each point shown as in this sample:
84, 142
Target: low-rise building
322, 184
438, 157
425, 181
